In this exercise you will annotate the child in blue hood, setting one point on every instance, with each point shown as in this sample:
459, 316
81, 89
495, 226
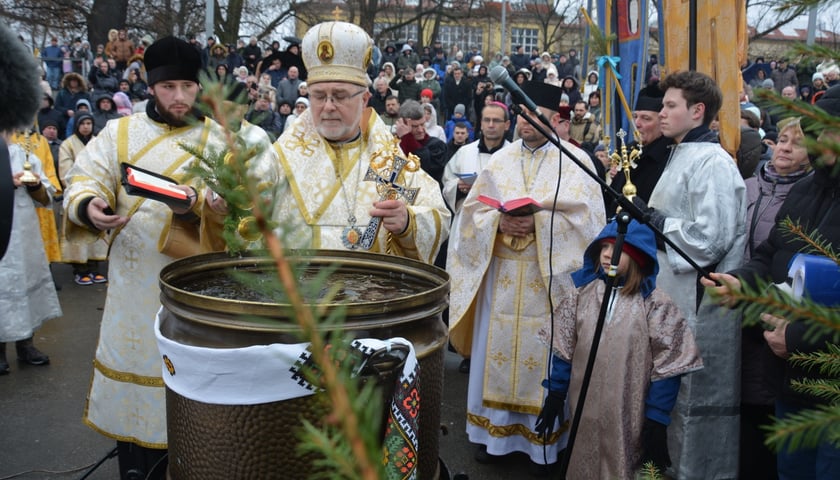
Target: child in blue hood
646, 346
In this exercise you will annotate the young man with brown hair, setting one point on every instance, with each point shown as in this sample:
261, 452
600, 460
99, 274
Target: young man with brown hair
699, 204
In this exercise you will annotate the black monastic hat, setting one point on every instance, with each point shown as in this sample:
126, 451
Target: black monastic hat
171, 58
543, 94
650, 98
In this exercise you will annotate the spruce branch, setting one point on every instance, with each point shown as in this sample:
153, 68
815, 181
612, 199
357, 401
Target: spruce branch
650, 472
805, 429
767, 299
826, 389
818, 245
827, 363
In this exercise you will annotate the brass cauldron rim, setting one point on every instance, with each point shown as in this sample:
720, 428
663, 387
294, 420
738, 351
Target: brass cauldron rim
269, 316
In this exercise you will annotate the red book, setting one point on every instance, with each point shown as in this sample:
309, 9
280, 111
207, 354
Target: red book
155, 186
517, 207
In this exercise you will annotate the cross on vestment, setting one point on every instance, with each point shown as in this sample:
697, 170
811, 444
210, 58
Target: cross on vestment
388, 188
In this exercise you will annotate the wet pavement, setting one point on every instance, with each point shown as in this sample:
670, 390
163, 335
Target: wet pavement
42, 435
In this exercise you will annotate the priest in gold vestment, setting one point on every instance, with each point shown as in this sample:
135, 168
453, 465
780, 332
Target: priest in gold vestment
501, 271
325, 157
126, 401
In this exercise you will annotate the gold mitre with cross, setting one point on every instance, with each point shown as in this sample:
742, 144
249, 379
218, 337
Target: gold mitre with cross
337, 52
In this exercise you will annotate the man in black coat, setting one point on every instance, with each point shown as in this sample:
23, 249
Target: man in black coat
48, 114
411, 130
456, 89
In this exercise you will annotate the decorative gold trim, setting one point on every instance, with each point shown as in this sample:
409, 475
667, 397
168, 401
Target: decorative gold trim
127, 377
515, 429
122, 438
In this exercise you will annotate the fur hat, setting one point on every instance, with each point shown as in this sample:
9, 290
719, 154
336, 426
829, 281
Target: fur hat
171, 58
20, 89
337, 52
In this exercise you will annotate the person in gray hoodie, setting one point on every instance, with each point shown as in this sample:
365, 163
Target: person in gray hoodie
105, 110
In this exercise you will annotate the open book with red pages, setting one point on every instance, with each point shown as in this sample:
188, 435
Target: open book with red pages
517, 207
154, 186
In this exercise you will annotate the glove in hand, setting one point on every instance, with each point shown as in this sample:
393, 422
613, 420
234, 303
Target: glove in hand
655, 444
552, 410
654, 216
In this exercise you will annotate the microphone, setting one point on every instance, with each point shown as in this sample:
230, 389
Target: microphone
500, 76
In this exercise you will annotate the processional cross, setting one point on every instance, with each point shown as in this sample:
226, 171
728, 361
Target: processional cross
386, 165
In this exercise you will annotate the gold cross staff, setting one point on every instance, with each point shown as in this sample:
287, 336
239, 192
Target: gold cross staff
386, 173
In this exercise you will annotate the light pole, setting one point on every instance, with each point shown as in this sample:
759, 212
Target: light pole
504, 26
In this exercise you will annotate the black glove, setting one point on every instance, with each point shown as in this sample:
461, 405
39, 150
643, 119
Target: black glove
655, 444
552, 410
654, 216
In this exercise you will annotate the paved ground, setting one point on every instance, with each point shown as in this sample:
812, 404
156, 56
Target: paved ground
42, 436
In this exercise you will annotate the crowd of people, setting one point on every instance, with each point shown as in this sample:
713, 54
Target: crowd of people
679, 383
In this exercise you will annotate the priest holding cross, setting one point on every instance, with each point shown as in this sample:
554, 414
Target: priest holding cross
349, 184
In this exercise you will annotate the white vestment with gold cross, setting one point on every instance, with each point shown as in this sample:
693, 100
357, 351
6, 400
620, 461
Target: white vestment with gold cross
499, 299
127, 396
316, 210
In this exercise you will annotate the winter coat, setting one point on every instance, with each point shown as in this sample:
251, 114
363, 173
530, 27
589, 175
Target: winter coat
66, 100
272, 122
100, 117
103, 81
121, 50
813, 203
573, 93
51, 115
405, 90
783, 78
390, 55
431, 151
455, 93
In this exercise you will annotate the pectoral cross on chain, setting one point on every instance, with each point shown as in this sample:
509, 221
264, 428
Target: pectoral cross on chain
389, 189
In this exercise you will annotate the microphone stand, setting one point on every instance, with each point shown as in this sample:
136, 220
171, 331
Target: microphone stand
628, 211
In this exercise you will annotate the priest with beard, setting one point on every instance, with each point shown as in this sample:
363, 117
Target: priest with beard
502, 267
127, 367
326, 155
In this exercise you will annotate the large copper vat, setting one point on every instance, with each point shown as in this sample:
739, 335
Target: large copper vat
259, 441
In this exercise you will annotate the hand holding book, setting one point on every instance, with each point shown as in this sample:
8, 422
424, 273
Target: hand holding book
517, 207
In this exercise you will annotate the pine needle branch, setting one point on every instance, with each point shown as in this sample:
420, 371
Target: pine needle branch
818, 245
805, 429
827, 363
825, 389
